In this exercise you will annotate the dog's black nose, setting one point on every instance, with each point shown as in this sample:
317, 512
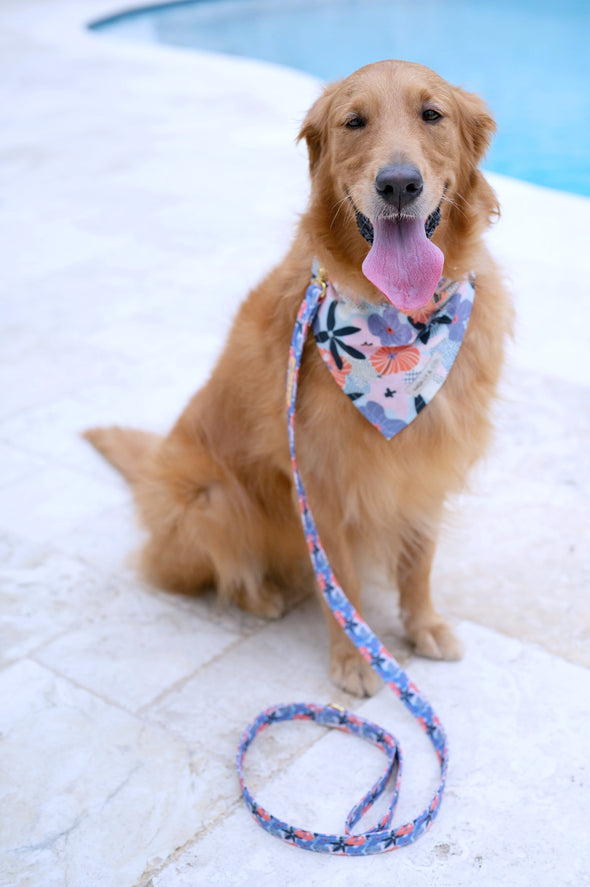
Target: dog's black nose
399, 184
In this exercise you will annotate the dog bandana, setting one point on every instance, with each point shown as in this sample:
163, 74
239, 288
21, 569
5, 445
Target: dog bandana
392, 364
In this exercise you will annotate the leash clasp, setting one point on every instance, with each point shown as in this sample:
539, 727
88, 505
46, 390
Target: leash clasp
320, 278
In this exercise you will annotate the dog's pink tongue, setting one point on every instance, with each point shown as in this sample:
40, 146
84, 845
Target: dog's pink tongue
403, 263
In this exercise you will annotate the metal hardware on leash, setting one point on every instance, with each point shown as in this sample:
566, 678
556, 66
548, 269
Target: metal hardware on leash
337, 707
383, 836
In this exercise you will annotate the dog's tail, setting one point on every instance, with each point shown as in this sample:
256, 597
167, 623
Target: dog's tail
127, 449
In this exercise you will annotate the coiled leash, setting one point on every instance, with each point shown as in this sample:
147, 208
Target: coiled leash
383, 836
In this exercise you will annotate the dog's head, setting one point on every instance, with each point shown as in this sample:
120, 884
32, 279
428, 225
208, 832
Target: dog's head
394, 143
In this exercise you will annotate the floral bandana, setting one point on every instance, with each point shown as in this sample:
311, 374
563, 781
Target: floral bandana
391, 364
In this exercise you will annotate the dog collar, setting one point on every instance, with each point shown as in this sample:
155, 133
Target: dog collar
388, 363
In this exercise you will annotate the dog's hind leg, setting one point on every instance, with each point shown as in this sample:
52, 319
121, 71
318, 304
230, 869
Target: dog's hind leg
205, 544
205, 529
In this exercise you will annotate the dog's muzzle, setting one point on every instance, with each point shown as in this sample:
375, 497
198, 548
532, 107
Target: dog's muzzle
366, 228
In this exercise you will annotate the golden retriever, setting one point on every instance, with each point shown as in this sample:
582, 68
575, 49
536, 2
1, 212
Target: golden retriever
217, 494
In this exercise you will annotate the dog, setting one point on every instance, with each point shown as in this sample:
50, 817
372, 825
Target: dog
393, 149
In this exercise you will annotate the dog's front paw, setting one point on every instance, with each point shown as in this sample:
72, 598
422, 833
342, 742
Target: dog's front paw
437, 641
351, 673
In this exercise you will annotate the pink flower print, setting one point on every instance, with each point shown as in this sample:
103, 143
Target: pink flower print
303, 835
394, 360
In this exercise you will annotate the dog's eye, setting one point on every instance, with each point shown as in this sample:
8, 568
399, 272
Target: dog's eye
430, 115
356, 122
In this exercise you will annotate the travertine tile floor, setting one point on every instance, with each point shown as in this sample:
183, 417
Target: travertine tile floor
123, 257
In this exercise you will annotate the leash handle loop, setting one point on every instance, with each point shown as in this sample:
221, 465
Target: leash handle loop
383, 836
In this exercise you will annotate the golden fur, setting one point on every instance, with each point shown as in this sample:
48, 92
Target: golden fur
217, 496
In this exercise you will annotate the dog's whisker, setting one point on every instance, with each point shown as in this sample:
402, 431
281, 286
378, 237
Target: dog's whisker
344, 202
465, 201
455, 204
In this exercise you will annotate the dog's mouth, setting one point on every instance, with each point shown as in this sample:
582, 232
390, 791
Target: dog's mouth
402, 263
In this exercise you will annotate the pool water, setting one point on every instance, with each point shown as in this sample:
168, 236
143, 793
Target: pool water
530, 59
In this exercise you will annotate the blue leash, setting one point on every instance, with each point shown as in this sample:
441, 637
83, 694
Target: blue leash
383, 836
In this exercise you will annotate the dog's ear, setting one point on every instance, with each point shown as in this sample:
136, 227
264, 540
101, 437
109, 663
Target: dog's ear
314, 127
476, 124
476, 200
475, 203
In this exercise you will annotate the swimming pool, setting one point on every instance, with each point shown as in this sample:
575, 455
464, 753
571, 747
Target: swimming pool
528, 58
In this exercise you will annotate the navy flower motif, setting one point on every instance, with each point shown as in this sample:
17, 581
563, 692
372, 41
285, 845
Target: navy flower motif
424, 330
334, 337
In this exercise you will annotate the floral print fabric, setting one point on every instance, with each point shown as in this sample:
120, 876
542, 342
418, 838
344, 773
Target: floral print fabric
391, 364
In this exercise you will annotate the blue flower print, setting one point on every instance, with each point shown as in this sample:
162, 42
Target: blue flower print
375, 413
460, 319
389, 328
356, 387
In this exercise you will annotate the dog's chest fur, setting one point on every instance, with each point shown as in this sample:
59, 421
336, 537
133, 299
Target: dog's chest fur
356, 473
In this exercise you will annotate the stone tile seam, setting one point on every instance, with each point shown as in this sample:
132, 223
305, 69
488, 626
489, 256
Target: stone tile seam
142, 713
144, 710
152, 872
